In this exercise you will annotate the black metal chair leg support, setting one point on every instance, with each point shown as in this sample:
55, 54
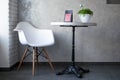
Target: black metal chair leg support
73, 68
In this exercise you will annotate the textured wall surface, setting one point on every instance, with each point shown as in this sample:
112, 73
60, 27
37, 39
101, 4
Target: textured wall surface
13, 40
99, 43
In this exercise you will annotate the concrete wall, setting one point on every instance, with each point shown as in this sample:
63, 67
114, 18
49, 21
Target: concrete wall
99, 43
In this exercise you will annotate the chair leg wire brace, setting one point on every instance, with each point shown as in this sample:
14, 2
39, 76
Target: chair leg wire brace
35, 54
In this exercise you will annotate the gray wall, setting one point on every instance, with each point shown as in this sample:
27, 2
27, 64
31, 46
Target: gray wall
99, 43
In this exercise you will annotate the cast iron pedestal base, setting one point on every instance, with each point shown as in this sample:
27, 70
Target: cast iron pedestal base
78, 71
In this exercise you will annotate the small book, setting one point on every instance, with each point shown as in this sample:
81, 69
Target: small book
68, 17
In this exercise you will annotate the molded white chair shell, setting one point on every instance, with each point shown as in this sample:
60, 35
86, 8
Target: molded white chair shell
29, 35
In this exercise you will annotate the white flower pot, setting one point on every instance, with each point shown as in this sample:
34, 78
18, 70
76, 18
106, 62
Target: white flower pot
85, 18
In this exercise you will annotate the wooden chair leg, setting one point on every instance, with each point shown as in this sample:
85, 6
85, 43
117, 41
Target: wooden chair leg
23, 57
49, 61
33, 64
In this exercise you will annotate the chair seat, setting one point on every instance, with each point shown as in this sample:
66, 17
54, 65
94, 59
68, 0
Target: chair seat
40, 38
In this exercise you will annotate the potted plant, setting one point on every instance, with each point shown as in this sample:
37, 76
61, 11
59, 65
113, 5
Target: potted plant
85, 14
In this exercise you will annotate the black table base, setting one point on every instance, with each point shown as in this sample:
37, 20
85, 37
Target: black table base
73, 69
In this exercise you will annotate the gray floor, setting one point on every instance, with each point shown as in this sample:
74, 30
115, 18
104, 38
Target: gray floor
43, 72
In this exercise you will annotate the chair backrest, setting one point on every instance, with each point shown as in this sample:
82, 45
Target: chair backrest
33, 36
21, 26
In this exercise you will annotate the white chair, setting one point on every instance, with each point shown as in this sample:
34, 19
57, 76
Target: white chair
35, 38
